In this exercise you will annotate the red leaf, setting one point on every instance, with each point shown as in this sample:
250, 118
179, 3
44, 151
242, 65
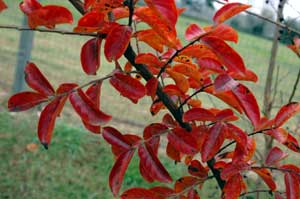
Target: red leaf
184, 183
117, 173
226, 115
145, 174
224, 32
37, 81
152, 134
173, 153
248, 102
237, 134
266, 175
94, 92
115, 138
278, 134
292, 186
47, 120
275, 155
193, 194
213, 142
49, 16
91, 22
28, 6
233, 187
211, 64
286, 112
233, 168
196, 169
224, 83
229, 10
182, 141
116, 42
66, 88
198, 114
151, 87
128, 86
3, 6
164, 192
90, 56
164, 9
148, 59
152, 164
87, 110
25, 100
139, 193
227, 55
193, 32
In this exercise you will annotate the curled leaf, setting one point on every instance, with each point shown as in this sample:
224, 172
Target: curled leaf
90, 56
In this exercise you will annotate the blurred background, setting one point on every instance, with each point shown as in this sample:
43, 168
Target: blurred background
78, 163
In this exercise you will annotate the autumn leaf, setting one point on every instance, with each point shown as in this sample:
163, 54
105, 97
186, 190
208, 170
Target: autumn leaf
266, 175
193, 31
90, 56
3, 6
224, 83
28, 6
229, 10
37, 81
286, 112
185, 182
116, 42
233, 187
198, 114
275, 155
115, 138
292, 185
197, 169
25, 100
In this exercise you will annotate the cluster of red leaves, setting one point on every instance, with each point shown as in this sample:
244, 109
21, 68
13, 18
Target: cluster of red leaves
206, 64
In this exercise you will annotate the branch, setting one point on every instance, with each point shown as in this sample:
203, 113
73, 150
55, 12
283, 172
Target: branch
78, 5
62, 32
295, 86
259, 191
180, 50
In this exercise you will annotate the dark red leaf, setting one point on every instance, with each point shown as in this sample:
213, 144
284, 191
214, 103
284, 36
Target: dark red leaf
226, 115
145, 174
197, 169
182, 141
232, 169
116, 42
115, 138
275, 155
66, 88
117, 173
286, 112
87, 110
139, 193
198, 114
292, 185
184, 183
214, 141
152, 134
128, 86
152, 164
193, 194
173, 153
37, 81
266, 175
151, 87
227, 55
229, 10
248, 102
47, 120
90, 56
49, 16
25, 100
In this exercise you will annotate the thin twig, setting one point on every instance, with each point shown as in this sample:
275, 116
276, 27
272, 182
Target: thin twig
295, 86
258, 191
56, 31
277, 169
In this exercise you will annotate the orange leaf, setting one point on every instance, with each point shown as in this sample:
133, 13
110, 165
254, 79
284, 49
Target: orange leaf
180, 80
223, 31
188, 70
184, 183
229, 10
151, 38
266, 175
116, 42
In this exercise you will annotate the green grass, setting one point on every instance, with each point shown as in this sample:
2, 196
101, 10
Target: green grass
78, 163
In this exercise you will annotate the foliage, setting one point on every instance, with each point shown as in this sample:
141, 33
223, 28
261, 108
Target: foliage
174, 73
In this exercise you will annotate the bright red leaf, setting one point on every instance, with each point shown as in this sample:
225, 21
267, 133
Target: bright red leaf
117, 173
151, 87
49, 16
229, 10
233, 187
116, 42
224, 83
198, 114
286, 112
152, 134
193, 32
223, 31
37, 81
87, 110
292, 185
197, 169
115, 138
3, 6
90, 56
28, 6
